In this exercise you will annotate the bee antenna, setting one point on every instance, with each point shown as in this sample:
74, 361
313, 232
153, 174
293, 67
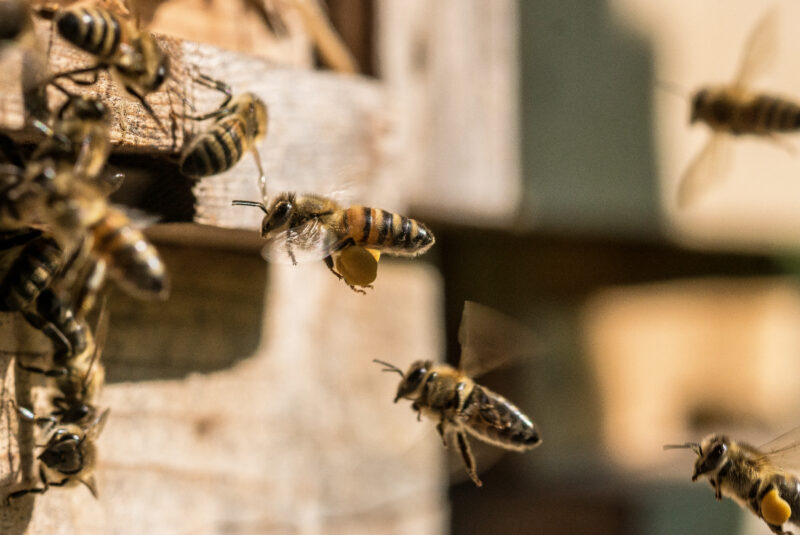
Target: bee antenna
389, 367
251, 203
689, 445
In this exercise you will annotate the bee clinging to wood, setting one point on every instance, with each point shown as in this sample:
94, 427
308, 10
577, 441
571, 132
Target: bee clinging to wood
69, 457
239, 125
756, 478
311, 227
132, 56
456, 402
733, 110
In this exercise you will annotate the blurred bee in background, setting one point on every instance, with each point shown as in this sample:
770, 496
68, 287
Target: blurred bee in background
16, 23
240, 124
755, 478
733, 110
311, 227
132, 56
456, 402
69, 457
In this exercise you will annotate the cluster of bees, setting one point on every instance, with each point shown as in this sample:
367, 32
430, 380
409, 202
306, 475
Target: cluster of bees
61, 238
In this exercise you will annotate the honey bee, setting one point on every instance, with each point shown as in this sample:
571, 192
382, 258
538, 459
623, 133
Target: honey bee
69, 457
239, 125
456, 402
756, 478
313, 227
733, 110
132, 56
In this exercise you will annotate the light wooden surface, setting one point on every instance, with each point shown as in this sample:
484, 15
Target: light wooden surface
247, 403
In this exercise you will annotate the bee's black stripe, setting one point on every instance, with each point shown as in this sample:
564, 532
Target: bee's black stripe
386, 224
367, 222
117, 34
89, 42
211, 152
405, 231
771, 111
101, 41
228, 157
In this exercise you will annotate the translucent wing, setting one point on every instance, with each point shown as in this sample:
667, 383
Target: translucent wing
707, 169
305, 243
784, 451
759, 49
490, 339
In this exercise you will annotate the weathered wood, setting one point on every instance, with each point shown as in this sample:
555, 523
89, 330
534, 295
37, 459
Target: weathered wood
451, 65
248, 404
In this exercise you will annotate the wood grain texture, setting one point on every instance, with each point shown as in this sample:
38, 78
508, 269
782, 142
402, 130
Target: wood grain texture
248, 404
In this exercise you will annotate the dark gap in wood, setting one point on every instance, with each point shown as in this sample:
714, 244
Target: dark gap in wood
355, 22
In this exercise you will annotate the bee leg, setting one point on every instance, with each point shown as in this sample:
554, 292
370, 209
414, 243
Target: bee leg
94, 69
222, 87
778, 530
28, 415
442, 432
35, 490
13, 239
466, 456
62, 345
147, 108
417, 407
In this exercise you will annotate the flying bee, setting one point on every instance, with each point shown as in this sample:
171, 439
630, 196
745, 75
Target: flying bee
756, 478
313, 227
240, 124
132, 56
733, 110
69, 457
456, 402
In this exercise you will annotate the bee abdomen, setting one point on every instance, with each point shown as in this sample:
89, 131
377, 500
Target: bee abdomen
387, 231
94, 30
30, 273
775, 115
133, 261
494, 419
216, 150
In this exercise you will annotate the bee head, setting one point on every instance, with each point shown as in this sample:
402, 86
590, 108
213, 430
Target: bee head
84, 108
63, 453
698, 103
712, 453
278, 214
412, 379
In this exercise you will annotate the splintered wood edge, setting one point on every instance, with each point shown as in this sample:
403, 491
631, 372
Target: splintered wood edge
327, 133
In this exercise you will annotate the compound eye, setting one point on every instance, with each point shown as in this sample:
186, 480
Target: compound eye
416, 376
282, 209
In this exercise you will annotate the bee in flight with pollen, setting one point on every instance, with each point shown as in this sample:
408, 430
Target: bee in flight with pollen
734, 110
301, 228
756, 478
458, 404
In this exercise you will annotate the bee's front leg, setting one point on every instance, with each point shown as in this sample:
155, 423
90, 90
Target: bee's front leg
417, 407
442, 431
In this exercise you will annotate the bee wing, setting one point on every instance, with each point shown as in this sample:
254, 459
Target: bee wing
95, 427
759, 49
784, 451
706, 169
490, 339
305, 243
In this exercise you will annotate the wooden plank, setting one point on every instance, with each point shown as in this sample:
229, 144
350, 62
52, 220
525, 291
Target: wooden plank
247, 403
452, 67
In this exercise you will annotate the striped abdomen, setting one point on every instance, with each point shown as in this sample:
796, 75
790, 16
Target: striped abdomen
387, 232
761, 114
92, 29
30, 273
218, 149
132, 260
493, 419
